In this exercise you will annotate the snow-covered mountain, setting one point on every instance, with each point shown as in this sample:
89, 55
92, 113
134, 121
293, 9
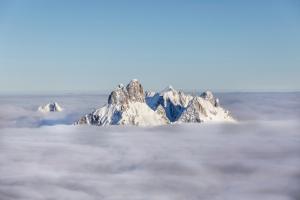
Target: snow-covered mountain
50, 107
130, 105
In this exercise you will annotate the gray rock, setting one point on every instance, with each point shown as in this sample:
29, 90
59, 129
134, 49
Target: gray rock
118, 96
135, 91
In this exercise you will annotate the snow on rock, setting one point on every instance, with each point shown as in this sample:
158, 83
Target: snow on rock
50, 107
130, 105
175, 97
161, 111
174, 102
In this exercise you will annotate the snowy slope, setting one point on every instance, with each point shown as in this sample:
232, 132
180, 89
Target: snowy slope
202, 110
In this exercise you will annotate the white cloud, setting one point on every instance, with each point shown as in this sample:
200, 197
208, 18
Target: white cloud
254, 159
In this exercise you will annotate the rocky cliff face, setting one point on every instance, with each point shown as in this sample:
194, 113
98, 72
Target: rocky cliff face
130, 105
118, 96
133, 92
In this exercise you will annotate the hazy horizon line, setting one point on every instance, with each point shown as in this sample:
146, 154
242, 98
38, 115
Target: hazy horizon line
106, 92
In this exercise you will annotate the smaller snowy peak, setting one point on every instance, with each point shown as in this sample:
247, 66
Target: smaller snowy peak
208, 96
167, 89
202, 110
50, 107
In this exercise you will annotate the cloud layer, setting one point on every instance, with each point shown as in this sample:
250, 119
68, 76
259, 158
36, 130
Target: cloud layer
257, 158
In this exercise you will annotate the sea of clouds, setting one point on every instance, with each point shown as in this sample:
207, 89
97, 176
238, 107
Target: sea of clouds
44, 156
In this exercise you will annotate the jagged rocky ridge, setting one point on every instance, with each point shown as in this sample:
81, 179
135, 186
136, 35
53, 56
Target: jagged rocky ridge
50, 107
130, 105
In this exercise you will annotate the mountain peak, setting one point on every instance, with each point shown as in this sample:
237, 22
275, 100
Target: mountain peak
208, 95
134, 80
135, 91
120, 85
50, 107
168, 89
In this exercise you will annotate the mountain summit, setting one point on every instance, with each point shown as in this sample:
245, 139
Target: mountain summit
130, 105
50, 107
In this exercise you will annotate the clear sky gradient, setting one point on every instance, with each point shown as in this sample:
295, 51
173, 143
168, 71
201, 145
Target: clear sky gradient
94, 45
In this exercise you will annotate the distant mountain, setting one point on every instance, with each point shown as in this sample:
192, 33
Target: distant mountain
50, 107
130, 105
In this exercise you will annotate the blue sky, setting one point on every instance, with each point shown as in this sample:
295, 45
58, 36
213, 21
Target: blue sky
94, 45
